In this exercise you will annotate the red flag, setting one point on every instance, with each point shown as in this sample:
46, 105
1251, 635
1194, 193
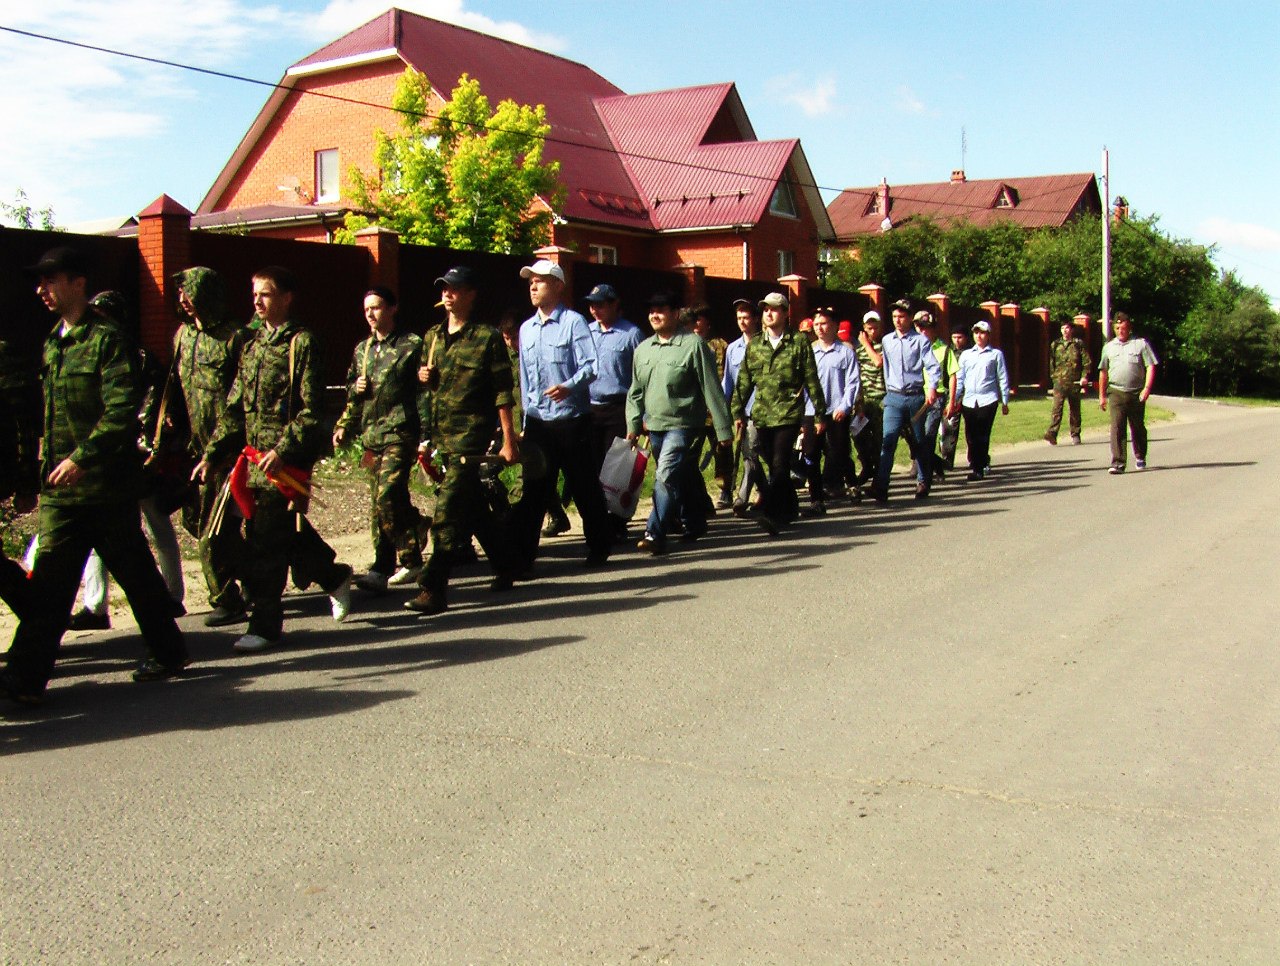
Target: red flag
238, 483
292, 482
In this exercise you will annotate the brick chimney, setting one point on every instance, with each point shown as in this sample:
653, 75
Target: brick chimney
1119, 209
957, 176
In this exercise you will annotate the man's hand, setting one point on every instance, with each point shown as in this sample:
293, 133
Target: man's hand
65, 474
1004, 409
339, 437
930, 397
510, 451
739, 427
200, 471
362, 385
1102, 403
840, 415
953, 407
270, 462
557, 393
1144, 395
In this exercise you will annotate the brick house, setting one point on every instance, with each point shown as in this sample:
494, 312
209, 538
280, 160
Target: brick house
652, 180
1048, 201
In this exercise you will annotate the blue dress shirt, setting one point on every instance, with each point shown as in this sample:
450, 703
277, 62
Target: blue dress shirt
840, 376
910, 367
734, 353
556, 350
614, 348
982, 379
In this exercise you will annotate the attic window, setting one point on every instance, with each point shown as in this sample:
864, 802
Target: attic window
1006, 198
326, 175
783, 201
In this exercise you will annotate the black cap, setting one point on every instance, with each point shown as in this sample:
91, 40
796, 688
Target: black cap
64, 258
603, 293
667, 299
747, 302
459, 275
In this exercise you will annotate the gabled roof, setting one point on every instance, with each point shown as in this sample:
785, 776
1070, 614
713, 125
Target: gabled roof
1037, 202
693, 157
604, 139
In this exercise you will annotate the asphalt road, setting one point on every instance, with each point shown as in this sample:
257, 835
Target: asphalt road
1032, 720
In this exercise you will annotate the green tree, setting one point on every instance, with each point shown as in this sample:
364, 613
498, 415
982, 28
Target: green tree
22, 215
468, 178
1230, 340
906, 261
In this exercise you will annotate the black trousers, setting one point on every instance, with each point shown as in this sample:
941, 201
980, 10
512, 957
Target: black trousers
777, 446
67, 535
978, 421
566, 444
15, 588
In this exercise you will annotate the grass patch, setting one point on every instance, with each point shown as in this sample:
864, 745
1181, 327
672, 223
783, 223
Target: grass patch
1239, 400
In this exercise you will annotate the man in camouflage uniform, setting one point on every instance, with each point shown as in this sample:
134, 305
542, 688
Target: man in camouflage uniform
19, 452
779, 368
206, 354
273, 407
468, 377
385, 406
871, 399
91, 476
1069, 363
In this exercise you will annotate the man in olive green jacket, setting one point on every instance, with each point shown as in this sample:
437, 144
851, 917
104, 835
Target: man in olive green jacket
91, 475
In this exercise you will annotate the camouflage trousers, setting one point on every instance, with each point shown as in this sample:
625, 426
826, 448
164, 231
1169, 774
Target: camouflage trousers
221, 552
277, 538
1070, 395
397, 528
463, 510
67, 534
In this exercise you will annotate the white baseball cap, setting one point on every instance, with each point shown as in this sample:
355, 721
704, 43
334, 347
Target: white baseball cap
544, 268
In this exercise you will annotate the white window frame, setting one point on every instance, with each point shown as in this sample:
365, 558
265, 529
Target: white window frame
323, 158
603, 254
786, 262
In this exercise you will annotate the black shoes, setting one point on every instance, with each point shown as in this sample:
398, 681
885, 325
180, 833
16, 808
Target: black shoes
596, 559
153, 670
922, 490
11, 690
224, 616
86, 620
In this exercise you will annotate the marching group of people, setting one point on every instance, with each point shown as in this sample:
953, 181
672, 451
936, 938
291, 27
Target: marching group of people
238, 422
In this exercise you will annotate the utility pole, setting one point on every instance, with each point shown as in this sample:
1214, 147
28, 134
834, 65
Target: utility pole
1106, 244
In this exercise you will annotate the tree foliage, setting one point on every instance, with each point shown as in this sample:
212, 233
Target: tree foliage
467, 178
22, 215
1213, 333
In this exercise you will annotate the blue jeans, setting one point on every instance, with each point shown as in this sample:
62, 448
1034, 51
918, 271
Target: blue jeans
899, 413
672, 459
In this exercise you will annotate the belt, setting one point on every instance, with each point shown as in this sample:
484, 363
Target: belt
610, 400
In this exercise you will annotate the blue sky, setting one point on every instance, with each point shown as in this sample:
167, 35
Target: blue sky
1186, 95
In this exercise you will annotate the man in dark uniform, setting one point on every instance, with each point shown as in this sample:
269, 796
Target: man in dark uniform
273, 408
206, 354
468, 377
385, 405
91, 476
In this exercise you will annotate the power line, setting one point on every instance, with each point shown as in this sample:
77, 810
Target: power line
550, 138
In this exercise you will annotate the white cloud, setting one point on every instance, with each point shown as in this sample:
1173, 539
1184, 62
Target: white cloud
340, 16
814, 96
908, 102
1240, 234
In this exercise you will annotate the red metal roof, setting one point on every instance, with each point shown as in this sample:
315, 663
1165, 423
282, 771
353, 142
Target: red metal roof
1036, 202
688, 183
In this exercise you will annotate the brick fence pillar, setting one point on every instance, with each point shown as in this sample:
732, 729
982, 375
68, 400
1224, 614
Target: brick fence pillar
1046, 339
1011, 339
695, 284
164, 247
1091, 334
797, 296
875, 294
942, 314
383, 246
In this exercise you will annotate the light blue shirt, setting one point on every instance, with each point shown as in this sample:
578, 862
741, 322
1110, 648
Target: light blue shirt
734, 353
910, 367
615, 347
556, 350
840, 376
982, 379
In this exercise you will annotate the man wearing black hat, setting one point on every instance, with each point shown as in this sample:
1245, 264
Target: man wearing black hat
469, 387
91, 476
616, 341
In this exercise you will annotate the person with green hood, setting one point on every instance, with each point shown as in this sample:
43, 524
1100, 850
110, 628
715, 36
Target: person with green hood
206, 354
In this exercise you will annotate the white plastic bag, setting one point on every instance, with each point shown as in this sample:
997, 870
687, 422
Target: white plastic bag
621, 476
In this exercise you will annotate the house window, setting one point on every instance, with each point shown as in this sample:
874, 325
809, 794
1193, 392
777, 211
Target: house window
783, 201
786, 263
603, 254
327, 175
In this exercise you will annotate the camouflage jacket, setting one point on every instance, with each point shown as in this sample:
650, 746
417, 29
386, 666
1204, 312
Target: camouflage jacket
393, 408
19, 421
475, 381
1068, 361
205, 355
780, 378
272, 405
91, 399
873, 388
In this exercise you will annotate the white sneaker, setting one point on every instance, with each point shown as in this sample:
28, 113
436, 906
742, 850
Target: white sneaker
373, 582
404, 576
340, 600
1140, 464
251, 643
